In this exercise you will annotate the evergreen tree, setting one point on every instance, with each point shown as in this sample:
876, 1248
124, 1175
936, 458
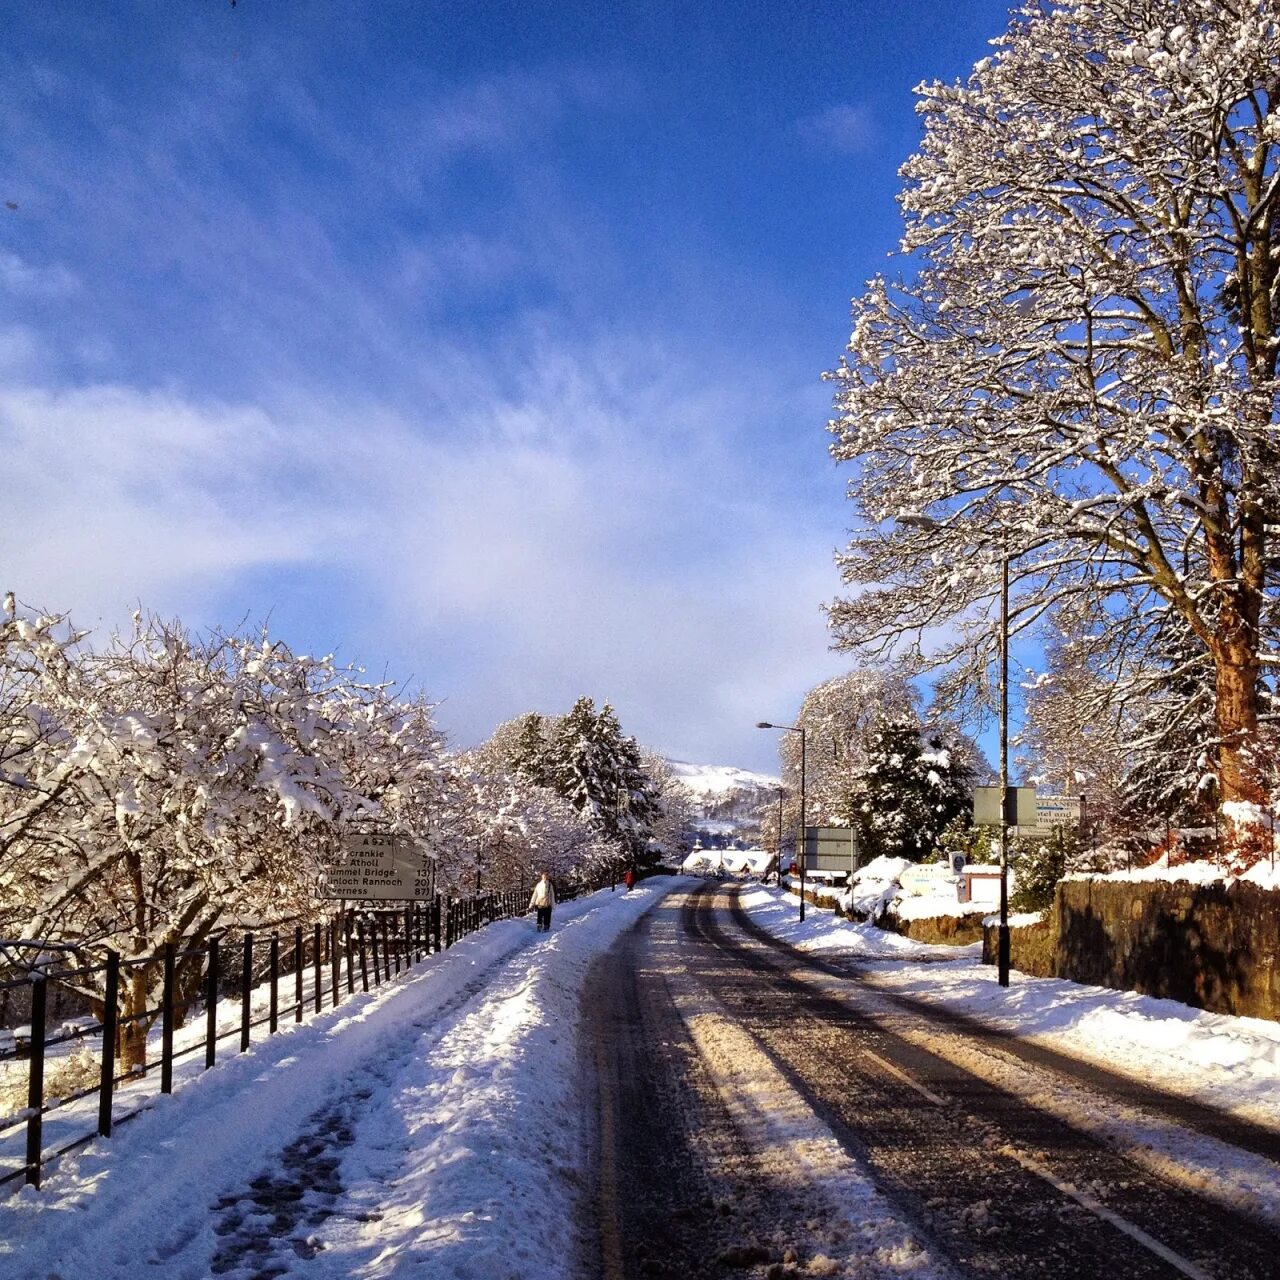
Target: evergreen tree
907, 792
529, 756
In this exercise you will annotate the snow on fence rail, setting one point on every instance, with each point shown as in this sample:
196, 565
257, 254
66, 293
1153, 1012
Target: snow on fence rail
372, 942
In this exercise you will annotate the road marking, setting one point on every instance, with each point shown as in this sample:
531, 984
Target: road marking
1100, 1210
906, 1079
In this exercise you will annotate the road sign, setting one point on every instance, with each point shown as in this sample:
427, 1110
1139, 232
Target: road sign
1059, 811
1020, 806
830, 849
381, 867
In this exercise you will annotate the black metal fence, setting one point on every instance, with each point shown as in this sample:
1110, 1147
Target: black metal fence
292, 976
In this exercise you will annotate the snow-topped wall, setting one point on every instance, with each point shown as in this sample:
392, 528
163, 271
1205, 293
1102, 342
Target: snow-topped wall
1214, 945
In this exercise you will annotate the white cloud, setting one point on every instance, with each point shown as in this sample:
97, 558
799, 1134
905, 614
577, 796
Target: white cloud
844, 127
572, 536
23, 278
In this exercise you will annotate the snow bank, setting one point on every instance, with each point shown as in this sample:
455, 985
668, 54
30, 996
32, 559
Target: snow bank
873, 887
820, 932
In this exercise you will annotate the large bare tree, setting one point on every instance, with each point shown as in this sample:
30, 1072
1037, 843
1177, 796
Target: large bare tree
1080, 373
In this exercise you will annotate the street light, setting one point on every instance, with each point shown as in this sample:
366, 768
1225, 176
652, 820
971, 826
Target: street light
793, 728
929, 525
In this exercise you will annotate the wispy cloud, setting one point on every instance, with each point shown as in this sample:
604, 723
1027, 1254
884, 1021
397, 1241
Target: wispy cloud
844, 127
404, 359
23, 278
545, 543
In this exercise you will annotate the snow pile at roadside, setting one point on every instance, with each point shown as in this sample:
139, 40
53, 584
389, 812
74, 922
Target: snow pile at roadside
462, 1138
873, 887
778, 911
1229, 1062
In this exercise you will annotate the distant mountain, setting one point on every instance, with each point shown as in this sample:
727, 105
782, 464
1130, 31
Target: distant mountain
728, 801
718, 780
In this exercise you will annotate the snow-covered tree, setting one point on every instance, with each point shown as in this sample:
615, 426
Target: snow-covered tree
1080, 373
40, 802
674, 807
840, 717
210, 774
837, 716
598, 769
906, 793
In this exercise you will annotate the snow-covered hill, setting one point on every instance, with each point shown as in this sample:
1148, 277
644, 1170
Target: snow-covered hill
727, 801
708, 781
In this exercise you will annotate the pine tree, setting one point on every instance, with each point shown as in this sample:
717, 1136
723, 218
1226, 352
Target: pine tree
529, 756
907, 793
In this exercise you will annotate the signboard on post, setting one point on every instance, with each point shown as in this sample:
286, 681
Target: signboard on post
1020, 806
833, 849
1059, 811
924, 880
379, 867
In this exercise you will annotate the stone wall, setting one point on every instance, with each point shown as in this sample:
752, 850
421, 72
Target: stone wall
955, 931
1213, 946
1031, 947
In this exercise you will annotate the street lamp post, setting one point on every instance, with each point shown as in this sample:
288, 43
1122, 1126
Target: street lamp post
792, 728
1002, 936
781, 794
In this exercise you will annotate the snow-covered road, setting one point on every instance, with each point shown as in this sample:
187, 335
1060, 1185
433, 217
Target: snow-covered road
430, 1128
823, 1126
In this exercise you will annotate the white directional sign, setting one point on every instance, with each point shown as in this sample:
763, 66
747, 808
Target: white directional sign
386, 868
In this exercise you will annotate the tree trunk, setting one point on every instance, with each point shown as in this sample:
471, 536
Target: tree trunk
132, 1047
1237, 675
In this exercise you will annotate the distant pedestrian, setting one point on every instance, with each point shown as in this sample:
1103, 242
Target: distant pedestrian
544, 898
630, 878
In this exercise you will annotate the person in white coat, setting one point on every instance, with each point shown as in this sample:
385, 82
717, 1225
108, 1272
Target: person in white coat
544, 898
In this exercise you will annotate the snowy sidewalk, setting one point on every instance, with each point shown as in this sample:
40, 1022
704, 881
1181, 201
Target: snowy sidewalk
430, 1127
1228, 1062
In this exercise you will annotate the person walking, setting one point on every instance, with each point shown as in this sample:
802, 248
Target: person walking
544, 898
630, 878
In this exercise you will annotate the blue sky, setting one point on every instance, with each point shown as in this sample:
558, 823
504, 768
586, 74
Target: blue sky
480, 343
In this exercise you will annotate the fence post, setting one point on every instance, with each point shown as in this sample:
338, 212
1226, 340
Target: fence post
211, 1007
35, 1081
387, 948
246, 991
317, 962
364, 960
299, 969
166, 1022
110, 1016
408, 938
335, 959
346, 933
373, 936
274, 1023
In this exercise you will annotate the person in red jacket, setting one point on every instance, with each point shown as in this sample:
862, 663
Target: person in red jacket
630, 878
